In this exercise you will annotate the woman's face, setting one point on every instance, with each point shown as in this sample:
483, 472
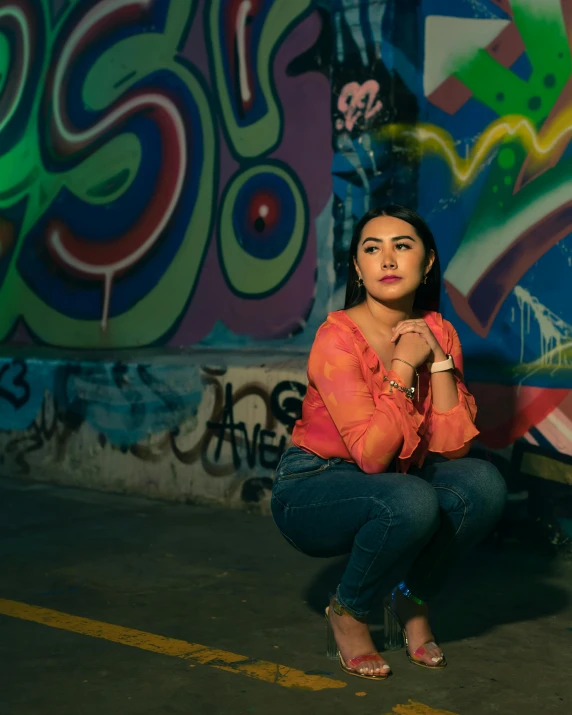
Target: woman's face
391, 258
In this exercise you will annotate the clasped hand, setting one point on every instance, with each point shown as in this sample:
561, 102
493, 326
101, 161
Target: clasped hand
415, 343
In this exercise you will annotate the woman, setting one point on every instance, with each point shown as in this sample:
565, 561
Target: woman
378, 467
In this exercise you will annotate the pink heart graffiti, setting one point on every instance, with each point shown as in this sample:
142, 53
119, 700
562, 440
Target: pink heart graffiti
357, 101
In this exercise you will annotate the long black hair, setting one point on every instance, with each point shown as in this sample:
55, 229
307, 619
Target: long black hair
428, 294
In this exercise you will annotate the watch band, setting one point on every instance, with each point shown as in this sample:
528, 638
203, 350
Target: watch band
444, 365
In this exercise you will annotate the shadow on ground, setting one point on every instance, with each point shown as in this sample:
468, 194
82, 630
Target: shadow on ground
496, 585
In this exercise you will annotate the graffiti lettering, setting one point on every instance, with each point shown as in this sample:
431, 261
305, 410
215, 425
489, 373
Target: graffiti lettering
49, 426
261, 447
111, 159
156, 414
289, 409
14, 388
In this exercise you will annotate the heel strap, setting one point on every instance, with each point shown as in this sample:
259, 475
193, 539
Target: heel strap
407, 592
339, 610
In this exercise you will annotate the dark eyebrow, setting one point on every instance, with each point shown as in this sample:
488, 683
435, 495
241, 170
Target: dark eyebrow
379, 240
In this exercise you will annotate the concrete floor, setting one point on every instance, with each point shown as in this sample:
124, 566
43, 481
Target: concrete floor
228, 581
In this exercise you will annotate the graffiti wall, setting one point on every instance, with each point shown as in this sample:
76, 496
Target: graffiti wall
183, 173
494, 147
473, 130
161, 180
181, 430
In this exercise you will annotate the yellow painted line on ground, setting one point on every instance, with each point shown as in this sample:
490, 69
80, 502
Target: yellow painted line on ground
221, 659
413, 708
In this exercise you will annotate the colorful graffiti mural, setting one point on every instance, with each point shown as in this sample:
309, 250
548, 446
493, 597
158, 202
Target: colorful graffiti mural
368, 95
188, 173
118, 194
497, 84
488, 145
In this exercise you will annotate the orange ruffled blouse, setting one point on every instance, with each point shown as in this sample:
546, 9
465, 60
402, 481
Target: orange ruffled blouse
351, 412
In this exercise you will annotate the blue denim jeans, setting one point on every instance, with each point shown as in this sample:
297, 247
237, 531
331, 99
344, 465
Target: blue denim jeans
392, 525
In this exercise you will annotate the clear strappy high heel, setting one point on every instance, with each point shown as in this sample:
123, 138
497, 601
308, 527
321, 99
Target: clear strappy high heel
395, 635
351, 667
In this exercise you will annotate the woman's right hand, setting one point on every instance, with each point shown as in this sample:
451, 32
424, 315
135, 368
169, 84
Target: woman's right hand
412, 348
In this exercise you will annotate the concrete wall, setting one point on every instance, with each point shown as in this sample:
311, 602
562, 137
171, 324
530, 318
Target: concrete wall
181, 426
186, 175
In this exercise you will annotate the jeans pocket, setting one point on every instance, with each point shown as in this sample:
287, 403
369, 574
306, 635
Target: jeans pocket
298, 464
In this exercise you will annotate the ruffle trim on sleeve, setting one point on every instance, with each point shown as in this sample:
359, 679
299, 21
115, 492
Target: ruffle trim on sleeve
453, 429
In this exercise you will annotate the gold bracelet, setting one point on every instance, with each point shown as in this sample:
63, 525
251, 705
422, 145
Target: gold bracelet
414, 370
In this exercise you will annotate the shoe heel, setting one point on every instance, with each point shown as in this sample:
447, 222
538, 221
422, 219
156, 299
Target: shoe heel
332, 651
392, 635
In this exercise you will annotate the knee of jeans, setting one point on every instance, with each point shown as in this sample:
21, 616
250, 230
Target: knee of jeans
487, 484
421, 508
484, 490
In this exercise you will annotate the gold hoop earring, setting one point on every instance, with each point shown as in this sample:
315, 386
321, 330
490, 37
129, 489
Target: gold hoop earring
425, 280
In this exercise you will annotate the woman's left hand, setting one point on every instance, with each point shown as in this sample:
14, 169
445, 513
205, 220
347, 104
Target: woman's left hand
420, 327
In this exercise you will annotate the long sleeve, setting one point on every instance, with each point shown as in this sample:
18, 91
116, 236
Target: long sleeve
451, 433
375, 425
